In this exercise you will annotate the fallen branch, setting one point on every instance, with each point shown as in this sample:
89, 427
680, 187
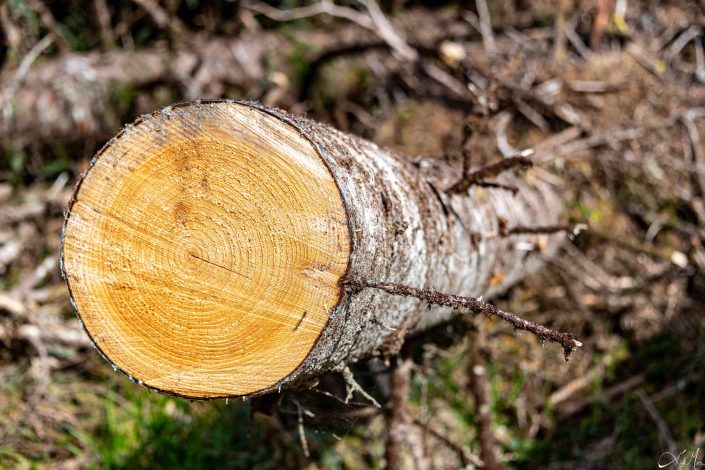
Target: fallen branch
80, 86
374, 21
477, 306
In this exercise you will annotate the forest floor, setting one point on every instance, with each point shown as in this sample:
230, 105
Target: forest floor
611, 99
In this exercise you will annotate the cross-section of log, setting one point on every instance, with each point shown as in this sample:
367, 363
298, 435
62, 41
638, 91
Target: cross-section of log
208, 246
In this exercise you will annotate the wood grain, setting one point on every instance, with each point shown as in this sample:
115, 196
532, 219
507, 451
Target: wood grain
204, 248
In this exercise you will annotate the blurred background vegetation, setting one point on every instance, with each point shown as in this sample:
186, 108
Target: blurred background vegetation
610, 94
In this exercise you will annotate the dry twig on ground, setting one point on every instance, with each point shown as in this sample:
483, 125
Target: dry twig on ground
476, 306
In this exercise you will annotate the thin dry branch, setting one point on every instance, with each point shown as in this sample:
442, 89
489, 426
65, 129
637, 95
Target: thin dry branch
698, 155
559, 44
374, 21
480, 389
351, 386
64, 334
576, 41
463, 454
107, 35
476, 306
578, 404
691, 33
398, 414
21, 73
162, 18
661, 425
503, 231
485, 26
324, 7
495, 185
489, 171
302, 431
386, 31
9, 29
542, 230
47, 18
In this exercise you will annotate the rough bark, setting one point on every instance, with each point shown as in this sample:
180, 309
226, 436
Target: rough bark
403, 229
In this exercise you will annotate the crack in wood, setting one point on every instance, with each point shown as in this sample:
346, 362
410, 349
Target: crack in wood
193, 255
301, 320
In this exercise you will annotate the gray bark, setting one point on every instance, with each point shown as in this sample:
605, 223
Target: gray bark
401, 233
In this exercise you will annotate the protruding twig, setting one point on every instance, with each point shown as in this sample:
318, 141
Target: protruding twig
495, 185
503, 231
351, 386
489, 171
476, 306
542, 230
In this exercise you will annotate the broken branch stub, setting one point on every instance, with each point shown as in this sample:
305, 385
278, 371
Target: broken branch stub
209, 247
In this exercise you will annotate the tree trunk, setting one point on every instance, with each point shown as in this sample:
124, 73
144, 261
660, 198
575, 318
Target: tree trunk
209, 247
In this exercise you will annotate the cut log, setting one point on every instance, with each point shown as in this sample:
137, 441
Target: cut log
209, 247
